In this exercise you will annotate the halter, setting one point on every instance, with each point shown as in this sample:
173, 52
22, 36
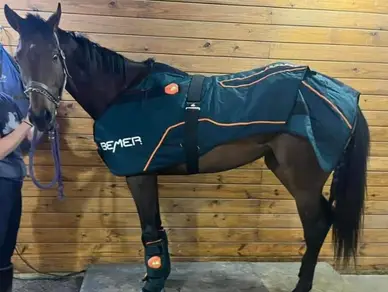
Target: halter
39, 87
53, 134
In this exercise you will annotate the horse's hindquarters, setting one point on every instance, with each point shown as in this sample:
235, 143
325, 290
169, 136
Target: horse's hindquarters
325, 113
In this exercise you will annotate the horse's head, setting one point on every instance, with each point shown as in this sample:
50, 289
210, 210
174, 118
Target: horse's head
41, 62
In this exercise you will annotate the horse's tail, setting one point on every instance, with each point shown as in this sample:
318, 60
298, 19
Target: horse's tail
348, 190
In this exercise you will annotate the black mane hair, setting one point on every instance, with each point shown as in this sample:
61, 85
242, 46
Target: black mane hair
94, 56
88, 53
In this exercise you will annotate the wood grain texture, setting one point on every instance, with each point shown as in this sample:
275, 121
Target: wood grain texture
231, 48
186, 190
220, 235
238, 215
349, 6
236, 11
178, 205
119, 8
180, 220
91, 158
218, 30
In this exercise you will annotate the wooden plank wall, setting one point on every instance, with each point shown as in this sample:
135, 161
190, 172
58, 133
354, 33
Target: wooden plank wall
243, 214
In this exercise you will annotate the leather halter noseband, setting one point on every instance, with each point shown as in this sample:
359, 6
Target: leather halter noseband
35, 86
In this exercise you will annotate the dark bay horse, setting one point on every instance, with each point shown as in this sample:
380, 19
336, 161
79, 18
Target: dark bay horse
52, 59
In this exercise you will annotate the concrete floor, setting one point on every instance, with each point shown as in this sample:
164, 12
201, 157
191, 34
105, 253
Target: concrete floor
208, 277
66, 285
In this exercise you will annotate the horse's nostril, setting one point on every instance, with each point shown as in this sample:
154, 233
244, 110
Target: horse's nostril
47, 115
42, 119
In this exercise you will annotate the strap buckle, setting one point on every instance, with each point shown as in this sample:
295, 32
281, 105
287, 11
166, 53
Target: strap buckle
192, 106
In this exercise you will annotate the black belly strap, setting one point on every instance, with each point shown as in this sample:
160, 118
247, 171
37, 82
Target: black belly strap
192, 113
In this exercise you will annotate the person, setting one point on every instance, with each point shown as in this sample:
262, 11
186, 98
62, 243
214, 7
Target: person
14, 131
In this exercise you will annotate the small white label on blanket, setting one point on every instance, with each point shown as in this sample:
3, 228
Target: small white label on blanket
122, 143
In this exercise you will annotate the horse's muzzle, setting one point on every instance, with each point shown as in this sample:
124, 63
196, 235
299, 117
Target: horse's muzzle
43, 120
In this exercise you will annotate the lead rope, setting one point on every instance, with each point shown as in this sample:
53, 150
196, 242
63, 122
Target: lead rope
53, 136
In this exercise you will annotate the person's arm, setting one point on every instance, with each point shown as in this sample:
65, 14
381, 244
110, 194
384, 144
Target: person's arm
10, 142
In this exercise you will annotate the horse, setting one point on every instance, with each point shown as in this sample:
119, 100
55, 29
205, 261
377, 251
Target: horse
119, 94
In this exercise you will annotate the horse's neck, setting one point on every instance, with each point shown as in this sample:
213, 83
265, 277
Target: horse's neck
95, 89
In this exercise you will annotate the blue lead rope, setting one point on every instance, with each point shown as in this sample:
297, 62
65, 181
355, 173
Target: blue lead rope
53, 136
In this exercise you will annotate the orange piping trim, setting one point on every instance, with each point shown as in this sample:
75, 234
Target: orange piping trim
258, 80
205, 120
329, 102
160, 143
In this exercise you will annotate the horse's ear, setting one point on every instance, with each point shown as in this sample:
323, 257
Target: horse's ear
14, 20
55, 18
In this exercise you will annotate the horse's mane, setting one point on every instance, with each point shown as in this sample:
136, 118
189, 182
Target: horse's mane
89, 53
94, 55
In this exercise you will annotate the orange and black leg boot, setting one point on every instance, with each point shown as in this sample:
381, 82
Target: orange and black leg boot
158, 263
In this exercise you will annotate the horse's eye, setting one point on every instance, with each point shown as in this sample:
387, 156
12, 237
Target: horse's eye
55, 57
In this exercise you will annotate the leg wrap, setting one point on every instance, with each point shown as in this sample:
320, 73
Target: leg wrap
163, 235
158, 264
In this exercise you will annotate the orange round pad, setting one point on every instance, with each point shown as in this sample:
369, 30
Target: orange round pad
155, 262
172, 88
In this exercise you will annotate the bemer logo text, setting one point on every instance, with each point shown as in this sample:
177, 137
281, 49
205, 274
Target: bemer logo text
122, 143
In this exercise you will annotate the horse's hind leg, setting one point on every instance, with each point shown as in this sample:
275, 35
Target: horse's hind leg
156, 256
304, 179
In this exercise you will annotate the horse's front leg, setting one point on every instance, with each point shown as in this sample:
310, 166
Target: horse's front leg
157, 259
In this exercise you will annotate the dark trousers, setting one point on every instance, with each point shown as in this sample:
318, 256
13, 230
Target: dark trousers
10, 213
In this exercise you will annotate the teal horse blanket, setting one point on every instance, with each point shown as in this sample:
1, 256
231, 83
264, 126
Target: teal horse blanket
143, 131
